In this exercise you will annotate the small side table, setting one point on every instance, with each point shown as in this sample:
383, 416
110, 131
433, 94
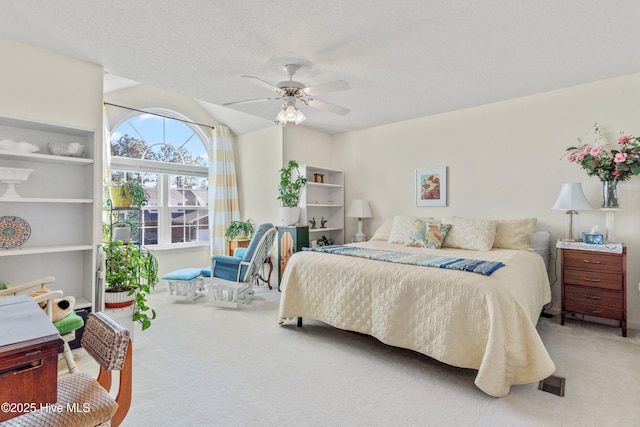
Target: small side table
595, 284
267, 261
234, 244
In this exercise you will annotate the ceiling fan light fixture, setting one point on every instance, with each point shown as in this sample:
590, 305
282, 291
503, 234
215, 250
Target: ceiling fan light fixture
290, 114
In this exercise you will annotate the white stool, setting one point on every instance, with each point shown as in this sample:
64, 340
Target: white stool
186, 282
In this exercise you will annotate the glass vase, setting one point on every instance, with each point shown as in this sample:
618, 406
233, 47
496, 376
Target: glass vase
610, 194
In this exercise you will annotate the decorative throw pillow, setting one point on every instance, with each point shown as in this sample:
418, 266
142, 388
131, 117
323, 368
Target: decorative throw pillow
382, 233
403, 227
470, 233
428, 235
514, 233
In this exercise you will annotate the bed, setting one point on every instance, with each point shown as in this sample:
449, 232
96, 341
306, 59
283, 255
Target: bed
464, 319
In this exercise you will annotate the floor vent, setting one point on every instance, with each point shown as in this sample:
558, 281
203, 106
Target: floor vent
553, 385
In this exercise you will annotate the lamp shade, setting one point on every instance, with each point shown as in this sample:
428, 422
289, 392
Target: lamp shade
572, 198
359, 209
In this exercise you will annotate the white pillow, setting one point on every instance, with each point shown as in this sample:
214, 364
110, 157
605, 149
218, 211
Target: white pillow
514, 233
470, 233
382, 233
402, 228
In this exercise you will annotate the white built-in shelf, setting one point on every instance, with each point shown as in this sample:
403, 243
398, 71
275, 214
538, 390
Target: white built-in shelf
82, 302
61, 202
43, 200
46, 158
318, 230
323, 200
34, 250
321, 184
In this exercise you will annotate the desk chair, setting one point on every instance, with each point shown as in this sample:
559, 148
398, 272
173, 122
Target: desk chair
67, 327
84, 401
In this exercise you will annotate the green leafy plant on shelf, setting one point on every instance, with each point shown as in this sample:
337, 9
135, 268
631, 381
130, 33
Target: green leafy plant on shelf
127, 194
239, 230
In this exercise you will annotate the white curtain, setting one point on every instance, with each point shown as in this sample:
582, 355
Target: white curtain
224, 206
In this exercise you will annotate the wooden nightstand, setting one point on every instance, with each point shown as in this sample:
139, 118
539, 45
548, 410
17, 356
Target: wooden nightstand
595, 284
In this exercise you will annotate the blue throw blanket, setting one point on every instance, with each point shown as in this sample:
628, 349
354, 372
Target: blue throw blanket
485, 268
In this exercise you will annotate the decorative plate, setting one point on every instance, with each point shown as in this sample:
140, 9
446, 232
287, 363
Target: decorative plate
14, 231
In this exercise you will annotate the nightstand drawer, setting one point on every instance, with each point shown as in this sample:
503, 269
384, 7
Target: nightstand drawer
584, 296
592, 261
594, 310
593, 278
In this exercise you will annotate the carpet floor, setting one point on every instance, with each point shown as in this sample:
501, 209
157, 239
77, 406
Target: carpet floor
204, 366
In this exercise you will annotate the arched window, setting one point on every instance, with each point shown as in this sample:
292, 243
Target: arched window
169, 158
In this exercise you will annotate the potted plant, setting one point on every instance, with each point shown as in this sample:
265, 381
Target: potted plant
131, 272
124, 225
128, 194
291, 183
238, 230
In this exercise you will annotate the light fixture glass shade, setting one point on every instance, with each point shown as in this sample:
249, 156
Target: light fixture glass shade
359, 209
571, 200
290, 114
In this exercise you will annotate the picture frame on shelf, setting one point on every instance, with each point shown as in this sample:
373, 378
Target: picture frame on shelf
431, 186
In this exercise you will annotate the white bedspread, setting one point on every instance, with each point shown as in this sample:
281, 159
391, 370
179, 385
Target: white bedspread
459, 318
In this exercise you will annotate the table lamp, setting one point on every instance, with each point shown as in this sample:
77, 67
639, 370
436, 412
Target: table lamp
571, 200
359, 209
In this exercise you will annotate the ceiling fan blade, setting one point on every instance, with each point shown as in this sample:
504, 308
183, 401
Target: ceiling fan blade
248, 101
316, 103
262, 83
334, 86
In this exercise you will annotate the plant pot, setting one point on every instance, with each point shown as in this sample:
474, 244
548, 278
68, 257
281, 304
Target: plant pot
118, 298
118, 201
122, 233
289, 216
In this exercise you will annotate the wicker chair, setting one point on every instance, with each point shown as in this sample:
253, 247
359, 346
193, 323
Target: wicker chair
82, 400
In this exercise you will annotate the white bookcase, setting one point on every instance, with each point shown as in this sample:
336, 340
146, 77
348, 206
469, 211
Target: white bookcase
58, 202
323, 197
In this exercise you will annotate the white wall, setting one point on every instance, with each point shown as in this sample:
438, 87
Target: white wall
307, 146
504, 161
39, 85
258, 159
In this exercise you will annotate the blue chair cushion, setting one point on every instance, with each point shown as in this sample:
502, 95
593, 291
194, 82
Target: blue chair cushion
255, 240
240, 252
183, 274
206, 272
226, 267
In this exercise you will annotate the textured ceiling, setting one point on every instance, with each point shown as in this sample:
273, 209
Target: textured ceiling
403, 59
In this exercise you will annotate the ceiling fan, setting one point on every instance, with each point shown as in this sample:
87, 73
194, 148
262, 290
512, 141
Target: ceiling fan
290, 91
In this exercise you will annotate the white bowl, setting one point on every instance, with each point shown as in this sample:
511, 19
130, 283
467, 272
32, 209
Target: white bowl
14, 174
10, 145
69, 149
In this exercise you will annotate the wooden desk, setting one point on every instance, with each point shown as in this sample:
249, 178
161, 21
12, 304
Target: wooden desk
29, 347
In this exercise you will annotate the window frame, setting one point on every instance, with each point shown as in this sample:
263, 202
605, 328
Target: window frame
164, 171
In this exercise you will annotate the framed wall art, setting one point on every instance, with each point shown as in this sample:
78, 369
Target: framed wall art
431, 186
